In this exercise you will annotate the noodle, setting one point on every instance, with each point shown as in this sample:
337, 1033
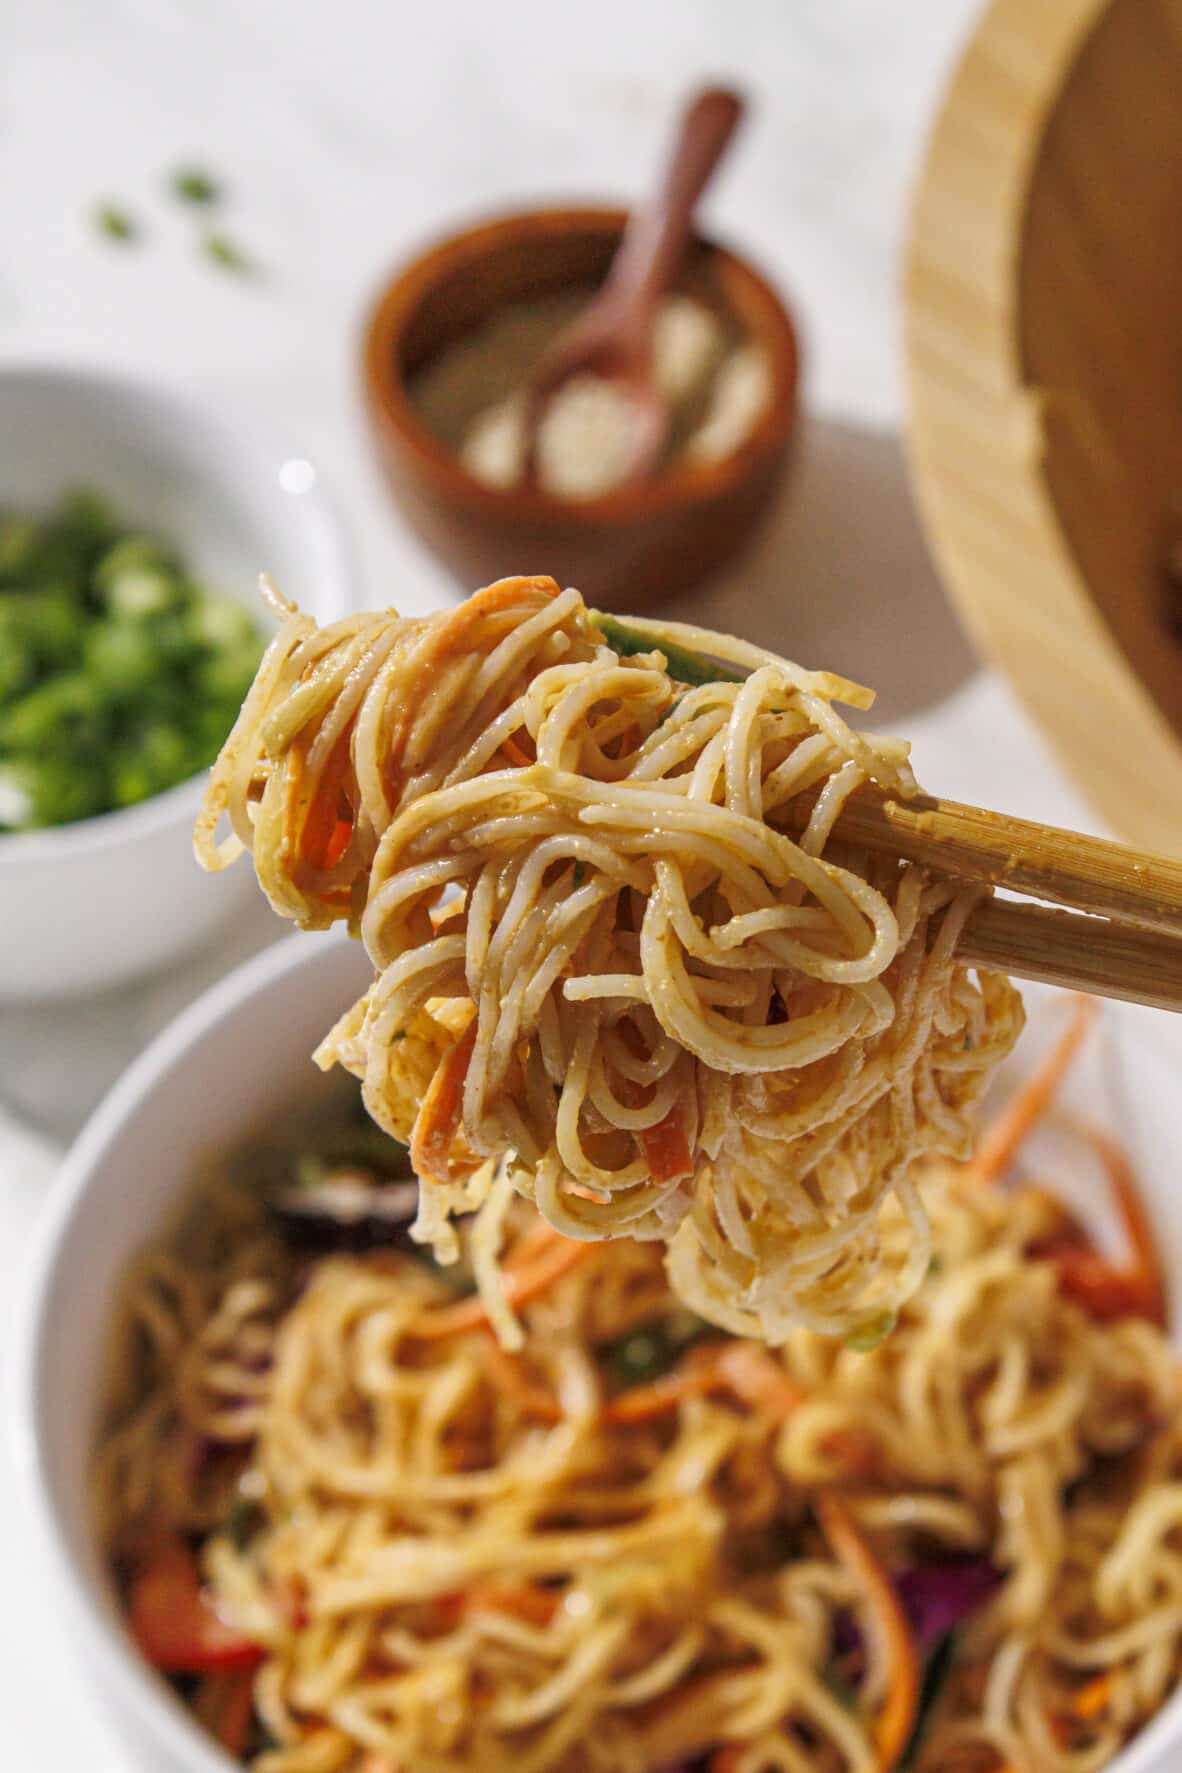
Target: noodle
602, 952
612, 1553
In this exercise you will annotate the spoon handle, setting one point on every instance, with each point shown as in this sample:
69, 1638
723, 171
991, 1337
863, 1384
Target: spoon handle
657, 231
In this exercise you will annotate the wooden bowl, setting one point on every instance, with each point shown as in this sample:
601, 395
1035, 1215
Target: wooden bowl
1044, 343
627, 549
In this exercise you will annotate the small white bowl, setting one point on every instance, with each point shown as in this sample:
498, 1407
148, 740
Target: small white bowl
231, 1062
88, 905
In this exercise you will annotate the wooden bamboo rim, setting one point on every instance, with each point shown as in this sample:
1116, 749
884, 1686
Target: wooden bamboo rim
976, 439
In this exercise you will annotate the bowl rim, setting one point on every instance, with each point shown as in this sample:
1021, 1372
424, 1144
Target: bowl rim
105, 831
972, 428
399, 296
159, 1715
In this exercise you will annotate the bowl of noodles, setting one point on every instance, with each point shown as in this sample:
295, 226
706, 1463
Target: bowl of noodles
310, 1514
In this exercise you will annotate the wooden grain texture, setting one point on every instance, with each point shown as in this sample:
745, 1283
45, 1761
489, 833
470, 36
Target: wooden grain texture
1043, 282
1080, 953
1091, 874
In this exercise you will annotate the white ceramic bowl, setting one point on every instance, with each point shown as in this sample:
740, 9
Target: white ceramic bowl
88, 905
244, 1046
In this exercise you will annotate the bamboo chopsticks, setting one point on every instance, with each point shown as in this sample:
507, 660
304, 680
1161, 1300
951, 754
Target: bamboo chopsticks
1069, 948
1122, 934
1041, 862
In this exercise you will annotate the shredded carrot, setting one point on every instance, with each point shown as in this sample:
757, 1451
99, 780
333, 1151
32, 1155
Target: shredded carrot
1147, 1274
438, 1119
1093, 1698
1105, 1289
750, 1374
318, 836
851, 1547
535, 1606
521, 1286
532, 1400
338, 843
538, 1235
1109, 1290
447, 638
645, 1403
666, 1148
758, 1379
1085, 1704
1027, 1106
515, 754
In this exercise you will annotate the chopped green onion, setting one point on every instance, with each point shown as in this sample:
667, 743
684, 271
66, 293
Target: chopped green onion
115, 223
192, 185
874, 1330
937, 1669
680, 663
244, 1520
221, 250
120, 676
652, 1349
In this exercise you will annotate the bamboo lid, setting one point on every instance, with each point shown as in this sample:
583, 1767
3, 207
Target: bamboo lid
1044, 348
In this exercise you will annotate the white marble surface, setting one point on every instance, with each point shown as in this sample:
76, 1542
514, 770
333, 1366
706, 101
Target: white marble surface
346, 134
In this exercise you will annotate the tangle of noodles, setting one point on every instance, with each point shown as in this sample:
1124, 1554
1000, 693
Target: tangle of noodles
602, 945
635, 1548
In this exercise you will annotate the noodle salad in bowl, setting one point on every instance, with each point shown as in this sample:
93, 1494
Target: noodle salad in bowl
352, 1531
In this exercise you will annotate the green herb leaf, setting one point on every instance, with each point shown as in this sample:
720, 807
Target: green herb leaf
115, 223
579, 874
681, 664
191, 185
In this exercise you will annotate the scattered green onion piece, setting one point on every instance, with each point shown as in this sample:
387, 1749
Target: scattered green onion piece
191, 185
243, 1521
119, 675
222, 251
936, 1671
681, 664
115, 223
650, 1350
872, 1332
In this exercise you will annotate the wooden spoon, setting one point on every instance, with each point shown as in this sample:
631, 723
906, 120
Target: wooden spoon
613, 336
